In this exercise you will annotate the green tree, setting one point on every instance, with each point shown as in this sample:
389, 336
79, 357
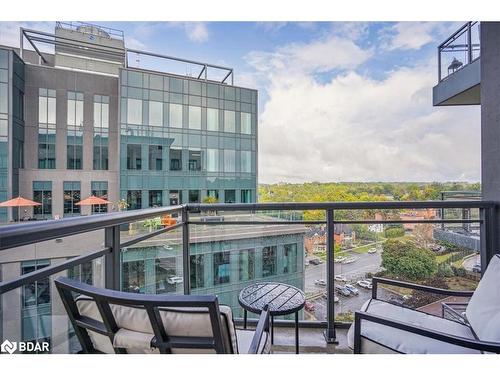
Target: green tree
406, 259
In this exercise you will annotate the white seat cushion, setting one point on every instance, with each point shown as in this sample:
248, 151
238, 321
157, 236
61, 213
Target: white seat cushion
245, 338
135, 333
483, 310
378, 338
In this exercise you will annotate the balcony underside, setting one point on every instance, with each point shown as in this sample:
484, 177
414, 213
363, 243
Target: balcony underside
463, 87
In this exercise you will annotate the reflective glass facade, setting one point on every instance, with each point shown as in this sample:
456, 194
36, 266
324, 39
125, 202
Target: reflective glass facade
185, 135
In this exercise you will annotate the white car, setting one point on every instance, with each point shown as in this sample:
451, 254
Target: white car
320, 282
339, 259
175, 280
335, 298
350, 260
340, 278
365, 284
373, 250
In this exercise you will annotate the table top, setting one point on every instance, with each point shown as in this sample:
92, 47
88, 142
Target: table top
282, 299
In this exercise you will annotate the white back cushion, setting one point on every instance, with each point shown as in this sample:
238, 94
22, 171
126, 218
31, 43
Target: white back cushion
483, 311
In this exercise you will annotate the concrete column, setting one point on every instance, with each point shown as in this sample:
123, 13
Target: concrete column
490, 114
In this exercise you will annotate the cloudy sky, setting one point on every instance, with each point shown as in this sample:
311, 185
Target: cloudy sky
337, 101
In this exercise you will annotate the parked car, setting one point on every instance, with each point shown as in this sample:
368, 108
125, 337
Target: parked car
309, 306
340, 278
306, 263
320, 282
174, 280
315, 261
343, 291
335, 299
352, 289
476, 268
365, 284
373, 250
350, 260
339, 259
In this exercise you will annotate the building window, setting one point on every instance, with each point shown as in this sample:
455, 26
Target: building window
194, 160
194, 117
246, 161
175, 115
155, 113
212, 160
42, 193
134, 199
213, 194
194, 196
165, 271
74, 148
36, 305
246, 123
229, 196
46, 129
246, 264
82, 273
269, 261
246, 196
134, 157
175, 159
101, 132
197, 271
229, 121
134, 111
71, 198
155, 158
221, 267
290, 258
175, 197
212, 119
99, 189
133, 274
230, 161
155, 198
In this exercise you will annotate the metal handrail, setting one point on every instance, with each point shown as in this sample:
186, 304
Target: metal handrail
30, 233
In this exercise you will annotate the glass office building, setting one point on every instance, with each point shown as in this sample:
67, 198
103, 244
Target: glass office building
184, 139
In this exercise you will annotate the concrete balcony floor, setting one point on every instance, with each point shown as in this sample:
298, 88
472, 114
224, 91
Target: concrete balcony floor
311, 341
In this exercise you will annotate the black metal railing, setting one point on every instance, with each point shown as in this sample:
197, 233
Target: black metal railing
458, 50
22, 234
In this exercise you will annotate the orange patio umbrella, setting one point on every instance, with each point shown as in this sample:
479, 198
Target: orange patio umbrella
91, 201
19, 202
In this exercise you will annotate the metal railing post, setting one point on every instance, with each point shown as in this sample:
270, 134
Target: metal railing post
469, 42
185, 251
439, 64
487, 239
112, 259
330, 335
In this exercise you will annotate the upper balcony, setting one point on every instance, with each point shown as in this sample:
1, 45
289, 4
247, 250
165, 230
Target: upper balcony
459, 73
330, 250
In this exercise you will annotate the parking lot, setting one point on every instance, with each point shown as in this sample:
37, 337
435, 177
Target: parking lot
365, 263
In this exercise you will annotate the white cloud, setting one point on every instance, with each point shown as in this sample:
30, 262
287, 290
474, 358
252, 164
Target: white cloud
135, 43
415, 35
355, 128
323, 55
196, 31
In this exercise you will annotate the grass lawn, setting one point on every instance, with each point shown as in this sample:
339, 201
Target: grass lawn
443, 258
364, 249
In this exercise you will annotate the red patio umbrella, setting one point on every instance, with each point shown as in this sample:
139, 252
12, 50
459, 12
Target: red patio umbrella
19, 202
91, 201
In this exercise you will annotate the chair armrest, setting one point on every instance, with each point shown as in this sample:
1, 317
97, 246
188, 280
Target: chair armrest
486, 346
424, 288
262, 326
447, 307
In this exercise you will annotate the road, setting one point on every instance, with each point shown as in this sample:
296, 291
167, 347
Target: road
353, 272
468, 263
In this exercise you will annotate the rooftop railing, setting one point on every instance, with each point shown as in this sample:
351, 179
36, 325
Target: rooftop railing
458, 50
119, 250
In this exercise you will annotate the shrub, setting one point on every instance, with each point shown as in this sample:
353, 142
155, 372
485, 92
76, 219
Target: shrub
394, 232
